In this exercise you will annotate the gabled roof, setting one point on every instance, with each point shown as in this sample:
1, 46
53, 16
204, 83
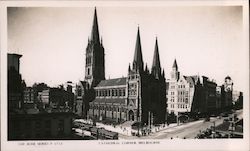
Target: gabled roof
192, 79
195, 78
112, 82
189, 79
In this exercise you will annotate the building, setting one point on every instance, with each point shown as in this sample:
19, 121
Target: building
15, 89
227, 93
209, 98
181, 91
57, 98
193, 94
29, 97
139, 97
41, 126
81, 100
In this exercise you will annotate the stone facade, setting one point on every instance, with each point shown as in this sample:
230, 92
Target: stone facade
181, 91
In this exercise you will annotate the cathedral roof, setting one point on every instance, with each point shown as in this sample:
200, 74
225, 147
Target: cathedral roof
112, 82
109, 100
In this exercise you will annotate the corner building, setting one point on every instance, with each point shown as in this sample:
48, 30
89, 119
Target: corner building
139, 97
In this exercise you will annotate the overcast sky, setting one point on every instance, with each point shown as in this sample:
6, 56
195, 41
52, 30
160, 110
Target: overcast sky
204, 40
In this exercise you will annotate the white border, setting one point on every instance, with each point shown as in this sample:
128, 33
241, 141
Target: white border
188, 144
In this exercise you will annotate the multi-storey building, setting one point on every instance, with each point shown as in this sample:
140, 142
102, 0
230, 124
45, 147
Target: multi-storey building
29, 97
15, 89
138, 97
57, 98
181, 91
227, 93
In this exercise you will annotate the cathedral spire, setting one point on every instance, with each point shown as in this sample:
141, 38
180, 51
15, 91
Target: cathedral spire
156, 66
138, 61
95, 31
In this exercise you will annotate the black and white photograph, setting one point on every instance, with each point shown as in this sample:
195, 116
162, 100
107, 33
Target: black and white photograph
134, 74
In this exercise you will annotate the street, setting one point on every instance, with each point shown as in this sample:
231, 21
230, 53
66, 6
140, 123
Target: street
186, 130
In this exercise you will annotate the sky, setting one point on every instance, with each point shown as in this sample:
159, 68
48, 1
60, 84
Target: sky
205, 40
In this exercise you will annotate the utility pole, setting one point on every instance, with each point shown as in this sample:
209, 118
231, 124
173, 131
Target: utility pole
177, 118
214, 130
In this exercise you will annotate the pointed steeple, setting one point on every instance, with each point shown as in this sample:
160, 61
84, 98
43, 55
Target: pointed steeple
156, 66
95, 31
163, 73
138, 61
156, 59
175, 64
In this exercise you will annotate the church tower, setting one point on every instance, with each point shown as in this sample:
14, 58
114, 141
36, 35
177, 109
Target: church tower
95, 65
175, 74
134, 83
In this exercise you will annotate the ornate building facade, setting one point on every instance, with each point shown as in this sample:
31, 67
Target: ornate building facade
138, 97
181, 91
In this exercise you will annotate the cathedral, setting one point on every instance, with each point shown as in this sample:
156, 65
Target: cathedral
139, 97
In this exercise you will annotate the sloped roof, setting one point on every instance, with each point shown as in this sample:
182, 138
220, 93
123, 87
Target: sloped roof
195, 78
109, 100
112, 82
191, 79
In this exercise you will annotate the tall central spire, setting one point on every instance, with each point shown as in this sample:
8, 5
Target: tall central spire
138, 61
156, 66
95, 31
